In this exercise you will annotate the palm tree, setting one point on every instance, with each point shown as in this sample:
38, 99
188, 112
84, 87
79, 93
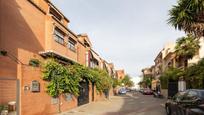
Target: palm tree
186, 48
188, 15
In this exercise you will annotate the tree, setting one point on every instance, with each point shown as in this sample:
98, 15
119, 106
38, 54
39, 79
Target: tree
194, 75
56, 74
186, 48
141, 84
171, 74
101, 79
105, 80
147, 81
116, 82
127, 81
188, 15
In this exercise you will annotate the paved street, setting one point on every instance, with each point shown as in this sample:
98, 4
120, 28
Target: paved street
123, 105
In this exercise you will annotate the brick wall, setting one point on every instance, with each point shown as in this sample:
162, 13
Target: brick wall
99, 96
8, 68
7, 91
81, 54
39, 103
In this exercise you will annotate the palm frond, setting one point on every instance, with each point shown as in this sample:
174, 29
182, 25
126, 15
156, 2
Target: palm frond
188, 15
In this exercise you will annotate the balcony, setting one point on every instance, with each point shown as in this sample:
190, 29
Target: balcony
60, 41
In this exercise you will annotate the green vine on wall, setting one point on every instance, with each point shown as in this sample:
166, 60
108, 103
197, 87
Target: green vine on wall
59, 79
65, 79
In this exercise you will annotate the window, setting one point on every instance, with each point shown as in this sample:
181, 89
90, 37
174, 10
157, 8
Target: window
59, 36
71, 45
93, 63
192, 95
201, 94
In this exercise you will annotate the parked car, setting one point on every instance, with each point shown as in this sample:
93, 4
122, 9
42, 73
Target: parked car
122, 91
147, 91
190, 102
141, 90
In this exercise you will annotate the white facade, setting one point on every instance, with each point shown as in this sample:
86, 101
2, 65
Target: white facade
169, 47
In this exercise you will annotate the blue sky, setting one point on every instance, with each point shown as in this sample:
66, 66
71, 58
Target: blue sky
129, 33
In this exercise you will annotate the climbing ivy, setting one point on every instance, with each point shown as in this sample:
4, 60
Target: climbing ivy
102, 80
58, 78
65, 79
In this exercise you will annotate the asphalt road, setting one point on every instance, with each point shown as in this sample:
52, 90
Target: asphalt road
129, 104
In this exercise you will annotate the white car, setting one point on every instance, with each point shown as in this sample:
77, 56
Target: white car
122, 90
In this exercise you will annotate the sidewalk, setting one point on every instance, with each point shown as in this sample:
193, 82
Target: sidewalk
129, 104
98, 108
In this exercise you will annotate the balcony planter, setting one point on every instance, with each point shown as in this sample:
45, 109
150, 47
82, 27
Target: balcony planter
34, 62
3, 53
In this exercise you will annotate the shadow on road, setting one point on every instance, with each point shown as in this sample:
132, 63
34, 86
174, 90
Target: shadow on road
139, 104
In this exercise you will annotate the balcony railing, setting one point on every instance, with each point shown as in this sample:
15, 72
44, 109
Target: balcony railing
59, 39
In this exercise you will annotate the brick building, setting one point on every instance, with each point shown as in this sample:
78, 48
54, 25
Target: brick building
120, 74
37, 30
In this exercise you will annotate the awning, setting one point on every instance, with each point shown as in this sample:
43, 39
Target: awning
96, 56
51, 53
